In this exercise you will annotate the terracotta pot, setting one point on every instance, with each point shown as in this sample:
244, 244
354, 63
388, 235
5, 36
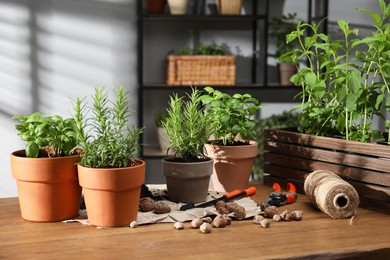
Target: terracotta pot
48, 188
187, 182
155, 6
232, 165
285, 71
178, 6
112, 194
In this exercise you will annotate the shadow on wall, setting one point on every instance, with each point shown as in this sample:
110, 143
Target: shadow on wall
54, 51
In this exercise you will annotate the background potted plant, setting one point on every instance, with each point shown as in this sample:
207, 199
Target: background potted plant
109, 173
45, 171
155, 6
163, 138
178, 6
188, 171
280, 28
232, 126
345, 86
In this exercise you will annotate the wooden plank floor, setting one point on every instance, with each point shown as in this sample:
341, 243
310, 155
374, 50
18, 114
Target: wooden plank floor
317, 236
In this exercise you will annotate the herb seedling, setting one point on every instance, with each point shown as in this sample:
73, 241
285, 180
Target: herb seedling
187, 127
46, 136
106, 138
231, 115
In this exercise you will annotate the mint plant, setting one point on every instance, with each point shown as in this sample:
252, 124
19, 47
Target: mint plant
187, 127
231, 115
343, 88
105, 137
46, 136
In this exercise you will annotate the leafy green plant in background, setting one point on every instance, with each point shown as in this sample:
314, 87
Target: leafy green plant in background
231, 115
46, 136
187, 127
280, 27
285, 119
106, 138
204, 49
342, 94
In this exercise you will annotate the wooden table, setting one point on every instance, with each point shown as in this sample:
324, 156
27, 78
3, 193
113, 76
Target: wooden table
317, 236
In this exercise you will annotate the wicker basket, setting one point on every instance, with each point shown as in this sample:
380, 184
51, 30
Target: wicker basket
201, 70
229, 7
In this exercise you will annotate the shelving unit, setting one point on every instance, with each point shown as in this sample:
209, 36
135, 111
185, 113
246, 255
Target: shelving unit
252, 70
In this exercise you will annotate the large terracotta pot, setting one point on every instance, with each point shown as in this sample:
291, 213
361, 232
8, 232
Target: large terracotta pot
232, 165
112, 194
187, 182
48, 188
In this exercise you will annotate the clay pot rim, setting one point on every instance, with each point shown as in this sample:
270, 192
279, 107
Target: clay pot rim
251, 142
165, 159
21, 155
110, 169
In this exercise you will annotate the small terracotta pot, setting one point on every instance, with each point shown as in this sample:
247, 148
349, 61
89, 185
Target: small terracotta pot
155, 6
187, 182
48, 188
112, 194
232, 165
285, 71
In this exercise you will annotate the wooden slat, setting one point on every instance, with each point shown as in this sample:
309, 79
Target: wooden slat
285, 136
351, 173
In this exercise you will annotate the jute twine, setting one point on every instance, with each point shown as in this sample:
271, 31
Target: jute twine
331, 194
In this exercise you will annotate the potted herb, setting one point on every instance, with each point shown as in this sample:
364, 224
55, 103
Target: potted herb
109, 173
155, 6
207, 64
178, 6
188, 171
345, 86
45, 171
232, 126
280, 28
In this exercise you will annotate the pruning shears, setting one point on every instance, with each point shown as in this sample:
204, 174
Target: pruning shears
278, 197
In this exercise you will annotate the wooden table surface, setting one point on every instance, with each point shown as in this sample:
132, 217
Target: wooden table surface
317, 236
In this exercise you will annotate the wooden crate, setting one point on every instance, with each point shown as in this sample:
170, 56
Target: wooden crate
291, 156
201, 70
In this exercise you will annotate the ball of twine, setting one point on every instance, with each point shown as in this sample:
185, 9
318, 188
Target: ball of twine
331, 194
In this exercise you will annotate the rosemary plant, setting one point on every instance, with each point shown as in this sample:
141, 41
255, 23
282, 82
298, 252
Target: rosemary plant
187, 127
105, 137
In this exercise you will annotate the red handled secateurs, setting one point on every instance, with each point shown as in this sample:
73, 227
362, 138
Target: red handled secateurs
279, 197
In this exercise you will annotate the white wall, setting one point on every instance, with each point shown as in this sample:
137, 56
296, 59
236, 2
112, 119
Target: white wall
54, 50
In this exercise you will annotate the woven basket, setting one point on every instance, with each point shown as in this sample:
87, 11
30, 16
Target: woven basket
229, 7
201, 70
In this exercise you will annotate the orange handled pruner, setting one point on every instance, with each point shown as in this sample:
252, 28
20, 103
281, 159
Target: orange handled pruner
233, 195
279, 197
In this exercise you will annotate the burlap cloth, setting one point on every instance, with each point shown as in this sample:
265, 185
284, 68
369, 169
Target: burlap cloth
251, 210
